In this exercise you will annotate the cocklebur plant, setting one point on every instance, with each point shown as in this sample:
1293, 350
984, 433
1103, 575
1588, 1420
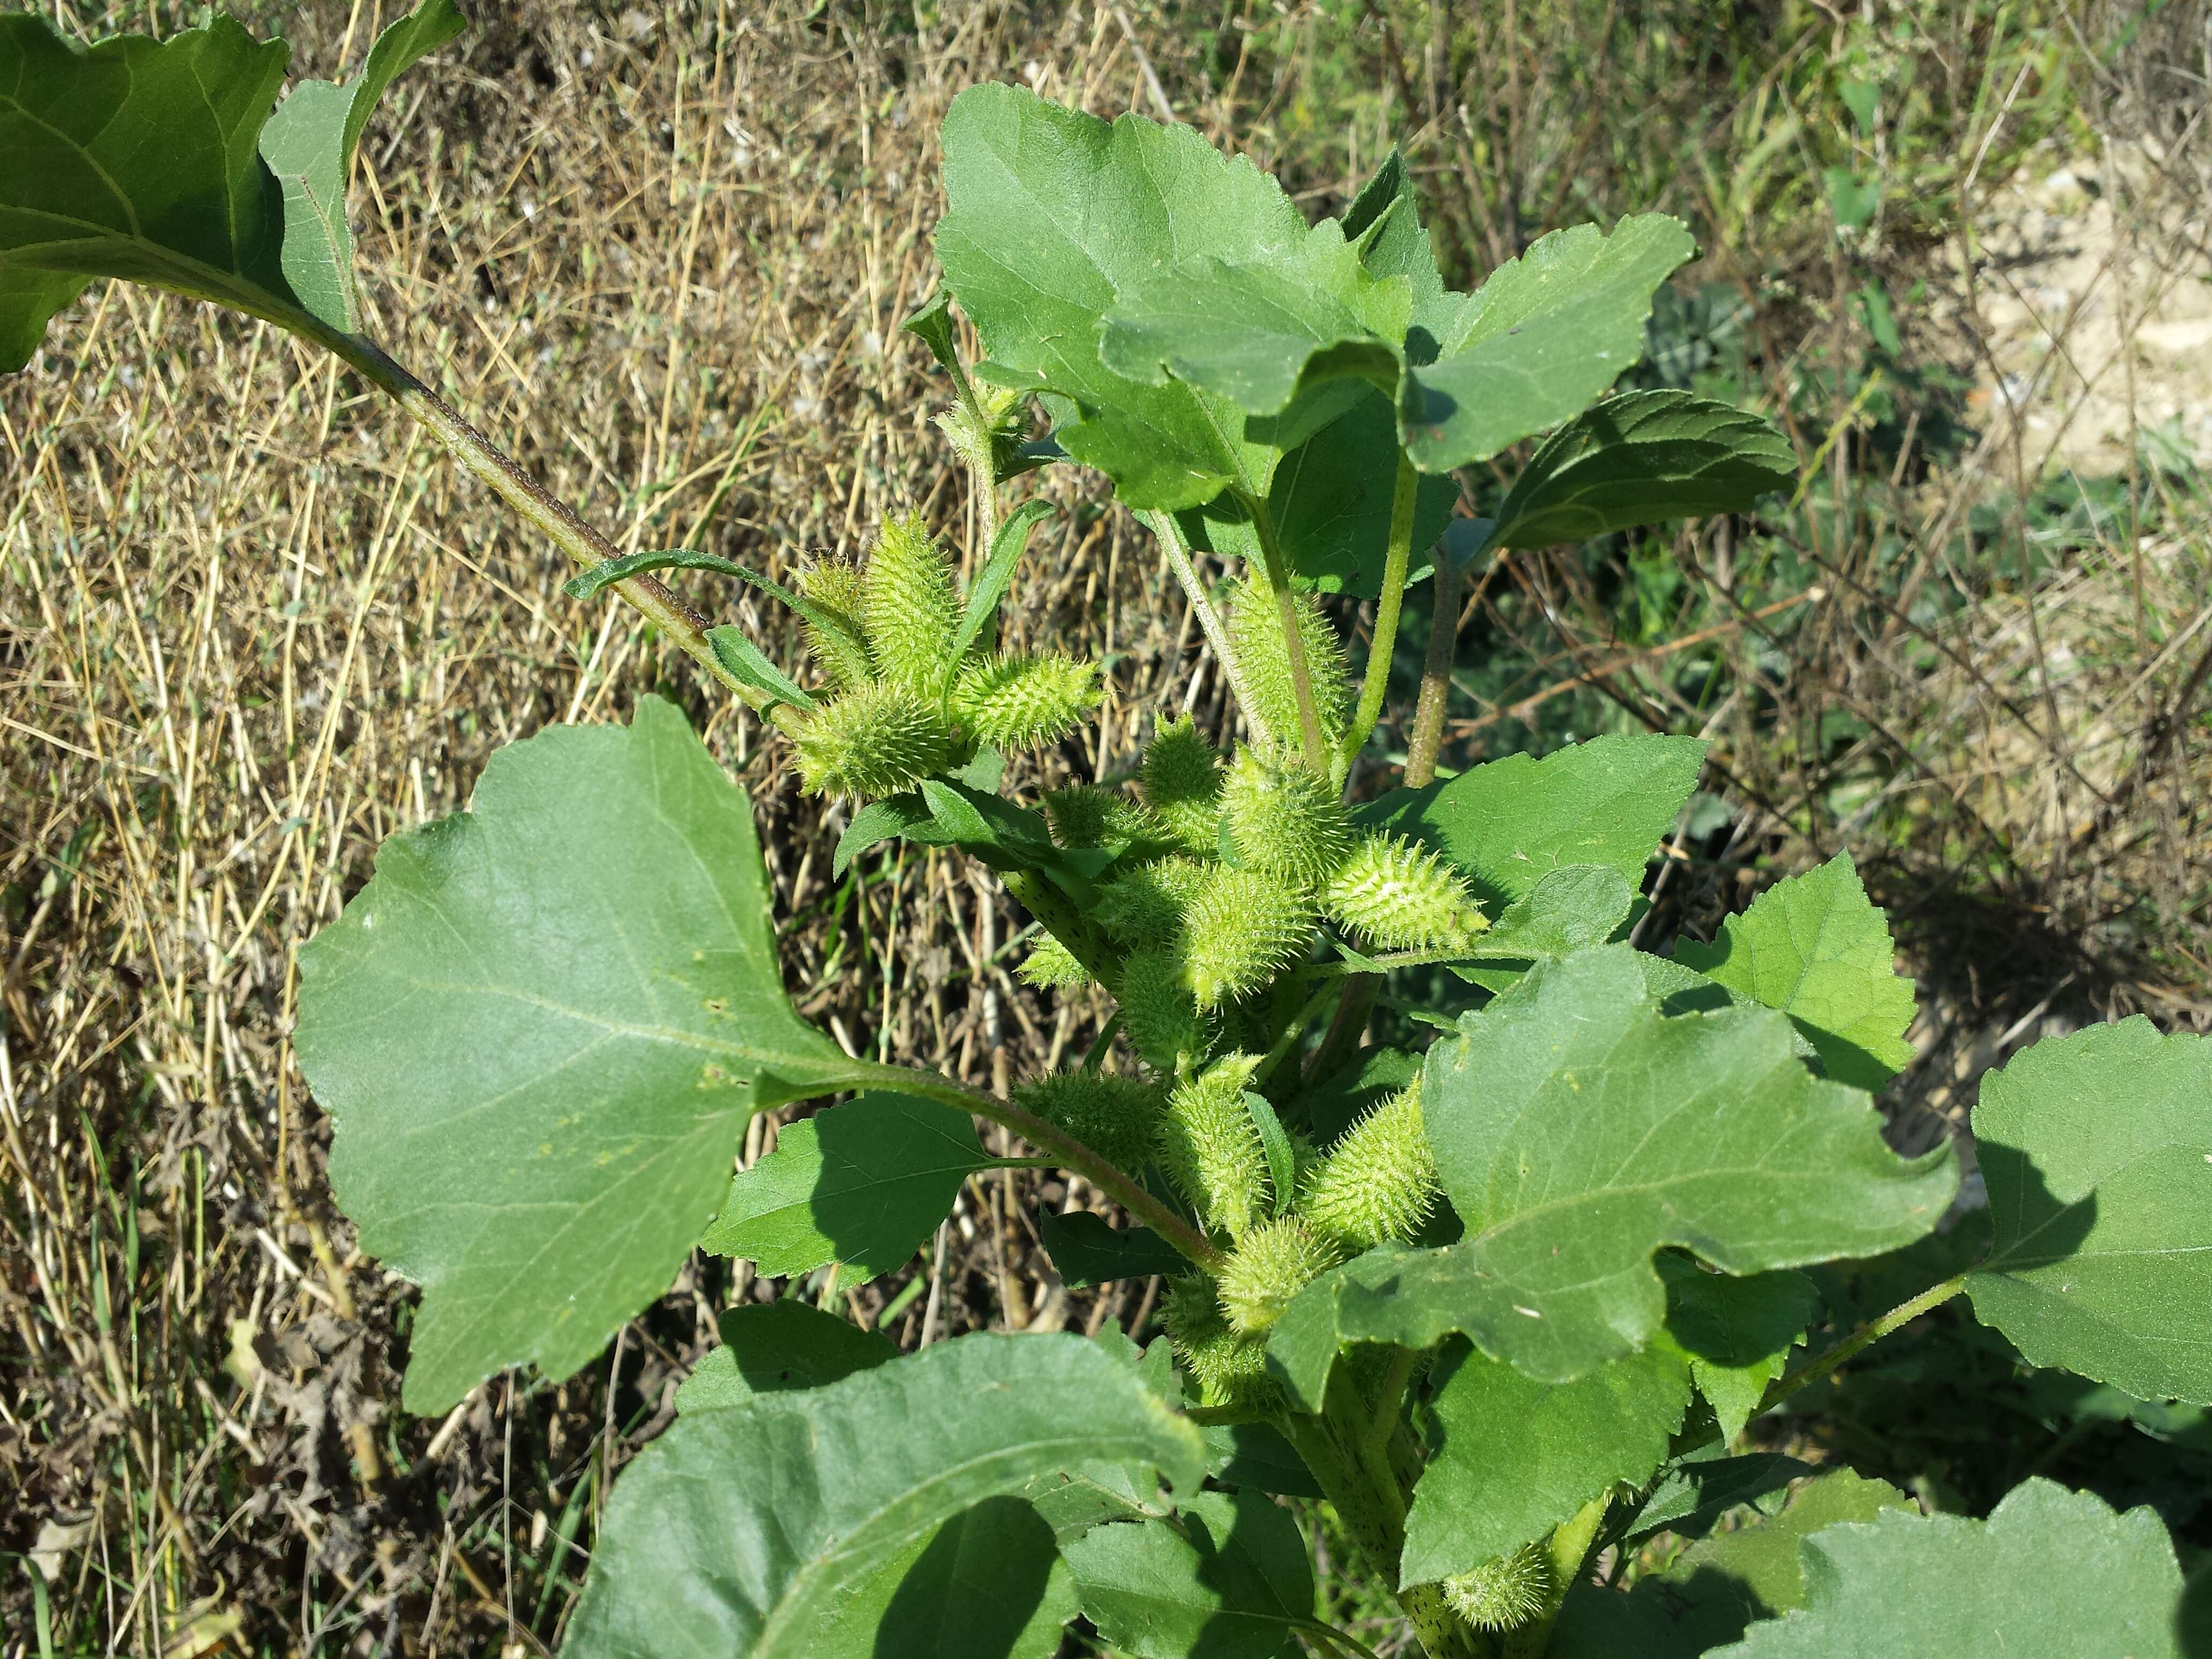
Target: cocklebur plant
1505, 1305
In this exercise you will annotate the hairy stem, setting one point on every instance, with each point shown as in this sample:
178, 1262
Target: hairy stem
1169, 536
540, 509
1065, 1149
1567, 1548
1315, 745
1865, 1337
1377, 682
1428, 736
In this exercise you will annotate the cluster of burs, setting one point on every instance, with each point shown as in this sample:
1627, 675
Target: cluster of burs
1223, 873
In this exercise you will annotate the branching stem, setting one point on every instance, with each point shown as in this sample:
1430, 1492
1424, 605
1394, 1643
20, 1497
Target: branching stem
1395, 563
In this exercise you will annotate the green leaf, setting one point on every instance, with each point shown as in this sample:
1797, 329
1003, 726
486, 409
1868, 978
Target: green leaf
2050, 1575
1817, 948
1256, 1454
1518, 1456
1232, 1582
1540, 338
1709, 1593
1643, 458
1048, 213
742, 1532
774, 1347
140, 160
1373, 1075
933, 326
987, 1584
997, 575
2096, 1149
1509, 824
1577, 1130
1738, 1332
536, 1030
1087, 1249
750, 664
1691, 1497
861, 1184
309, 146
889, 819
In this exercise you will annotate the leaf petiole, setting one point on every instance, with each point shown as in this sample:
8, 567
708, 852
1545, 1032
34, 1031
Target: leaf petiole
1864, 1338
1396, 558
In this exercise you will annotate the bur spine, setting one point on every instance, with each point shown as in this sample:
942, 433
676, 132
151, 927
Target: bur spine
1182, 786
1088, 815
1116, 1117
1377, 1185
1051, 966
1228, 1368
1024, 703
1398, 896
1284, 820
876, 739
1271, 1264
1211, 1150
1159, 1013
908, 608
837, 654
1504, 1593
1144, 907
1243, 928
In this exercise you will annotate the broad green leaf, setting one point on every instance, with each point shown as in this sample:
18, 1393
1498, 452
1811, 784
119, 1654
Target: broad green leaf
1738, 1333
1692, 1495
1087, 1249
1048, 213
1229, 1581
987, 1584
773, 1346
1643, 458
1518, 1456
1709, 1593
537, 1029
1509, 824
1817, 948
2096, 1149
1541, 337
2050, 1575
141, 159
309, 146
1384, 219
1256, 1454
1577, 1131
861, 1184
740, 1532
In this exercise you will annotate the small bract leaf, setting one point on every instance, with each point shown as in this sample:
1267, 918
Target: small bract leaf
1510, 823
536, 1029
1643, 458
861, 1184
1941, 1584
774, 1347
1231, 1580
1817, 948
1519, 1457
745, 1532
2096, 1149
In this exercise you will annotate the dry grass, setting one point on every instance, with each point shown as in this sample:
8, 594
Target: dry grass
251, 622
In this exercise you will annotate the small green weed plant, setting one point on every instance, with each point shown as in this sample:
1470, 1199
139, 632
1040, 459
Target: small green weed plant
1507, 1305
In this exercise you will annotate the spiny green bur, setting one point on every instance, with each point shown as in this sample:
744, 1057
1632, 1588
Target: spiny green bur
1051, 966
1230, 1370
1256, 634
1088, 815
1285, 821
908, 607
1272, 1263
834, 584
1116, 1117
1182, 786
1023, 702
1398, 896
1157, 1011
1377, 1185
1504, 1593
876, 739
1211, 1150
1146, 906
1243, 928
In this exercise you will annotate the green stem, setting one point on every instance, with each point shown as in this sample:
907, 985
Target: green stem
1169, 536
1294, 645
1375, 684
1428, 735
1865, 1337
1066, 1150
543, 511
1568, 1548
